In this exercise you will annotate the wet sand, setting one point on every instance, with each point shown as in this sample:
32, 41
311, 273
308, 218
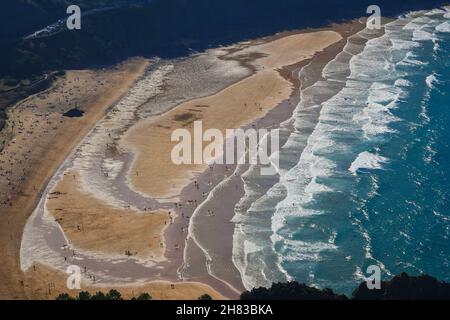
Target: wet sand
212, 227
233, 107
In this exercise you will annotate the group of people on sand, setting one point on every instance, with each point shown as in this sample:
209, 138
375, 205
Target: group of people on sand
12, 176
29, 127
16, 156
26, 130
194, 203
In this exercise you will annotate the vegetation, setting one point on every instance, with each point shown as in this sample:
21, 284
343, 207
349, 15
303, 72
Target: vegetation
143, 296
164, 28
21, 17
401, 287
404, 287
111, 295
291, 291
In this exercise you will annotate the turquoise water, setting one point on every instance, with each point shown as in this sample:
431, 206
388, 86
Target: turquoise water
369, 184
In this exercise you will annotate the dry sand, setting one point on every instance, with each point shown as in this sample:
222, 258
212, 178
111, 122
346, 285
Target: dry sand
153, 173
41, 143
156, 175
43, 282
92, 225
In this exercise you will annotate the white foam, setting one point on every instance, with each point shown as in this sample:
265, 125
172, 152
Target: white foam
381, 93
111, 168
251, 247
410, 60
402, 83
435, 12
412, 26
358, 274
373, 88
305, 251
367, 160
400, 44
431, 80
314, 188
422, 35
443, 27
95, 144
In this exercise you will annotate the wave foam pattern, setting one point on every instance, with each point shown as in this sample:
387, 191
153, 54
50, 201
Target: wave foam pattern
330, 162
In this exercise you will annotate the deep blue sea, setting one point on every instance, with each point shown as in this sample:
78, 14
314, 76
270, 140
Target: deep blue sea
372, 183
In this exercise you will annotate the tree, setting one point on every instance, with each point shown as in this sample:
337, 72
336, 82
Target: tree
113, 295
98, 296
84, 295
405, 287
64, 296
143, 296
291, 291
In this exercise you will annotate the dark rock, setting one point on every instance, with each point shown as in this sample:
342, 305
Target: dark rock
74, 113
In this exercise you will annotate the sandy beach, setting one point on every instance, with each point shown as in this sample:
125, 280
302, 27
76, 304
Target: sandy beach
104, 188
250, 98
92, 225
39, 141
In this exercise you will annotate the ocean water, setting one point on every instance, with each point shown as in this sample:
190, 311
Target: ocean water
365, 174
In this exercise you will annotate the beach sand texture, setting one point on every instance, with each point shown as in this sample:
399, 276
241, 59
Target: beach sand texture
92, 225
40, 141
154, 174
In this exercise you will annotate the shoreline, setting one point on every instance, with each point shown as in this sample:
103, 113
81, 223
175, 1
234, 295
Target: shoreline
168, 238
229, 195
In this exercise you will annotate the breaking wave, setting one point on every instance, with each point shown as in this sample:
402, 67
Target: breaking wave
365, 115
